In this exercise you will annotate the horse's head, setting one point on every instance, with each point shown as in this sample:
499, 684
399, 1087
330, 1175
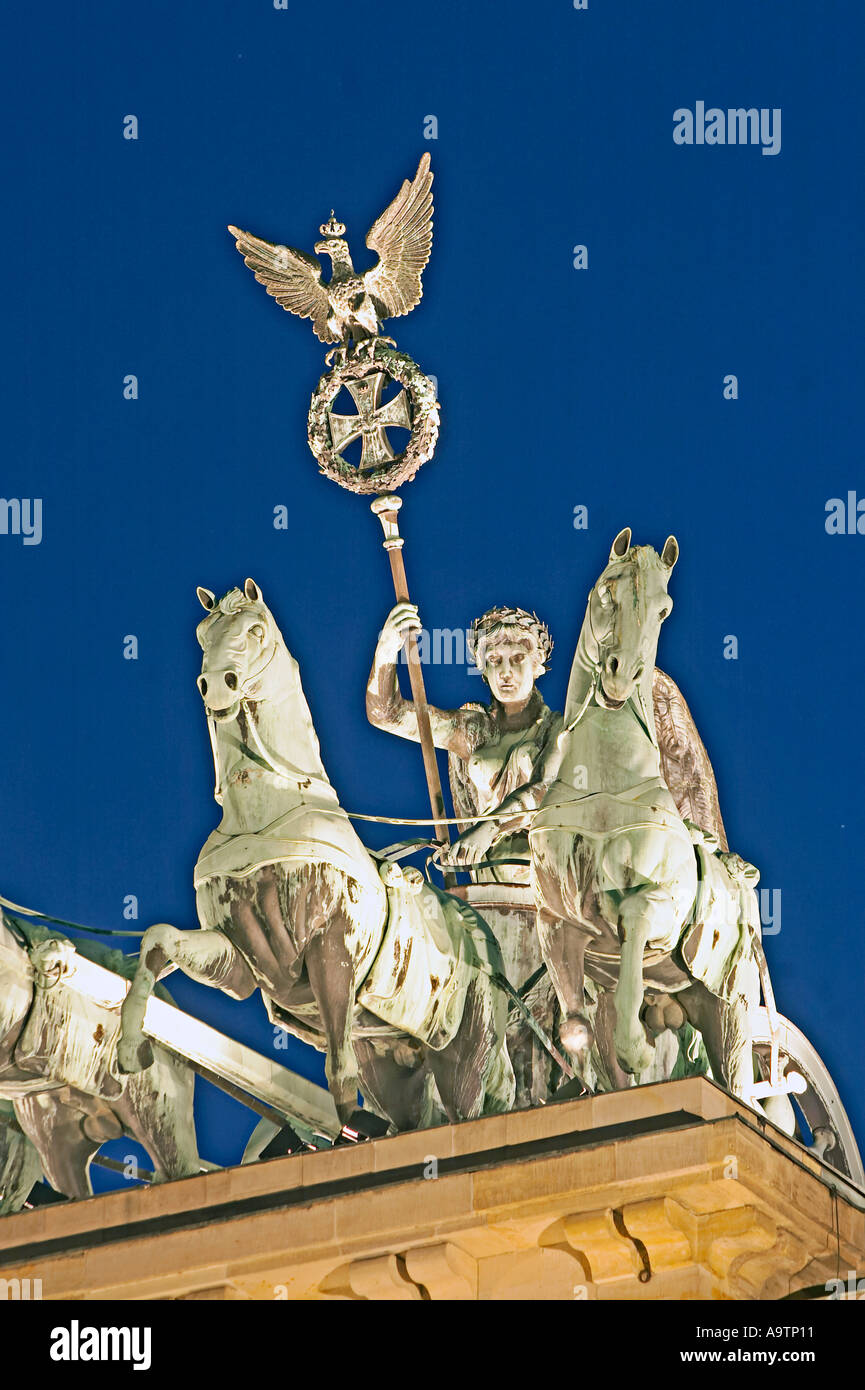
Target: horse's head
239, 639
626, 609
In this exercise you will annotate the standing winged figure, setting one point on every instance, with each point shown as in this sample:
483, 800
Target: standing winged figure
352, 306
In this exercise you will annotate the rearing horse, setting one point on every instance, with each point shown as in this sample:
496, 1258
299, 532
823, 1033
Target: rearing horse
625, 892
391, 978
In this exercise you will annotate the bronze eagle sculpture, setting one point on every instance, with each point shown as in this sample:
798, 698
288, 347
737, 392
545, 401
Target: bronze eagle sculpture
350, 307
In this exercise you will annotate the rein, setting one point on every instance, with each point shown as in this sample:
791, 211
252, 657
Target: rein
267, 760
57, 921
303, 780
211, 725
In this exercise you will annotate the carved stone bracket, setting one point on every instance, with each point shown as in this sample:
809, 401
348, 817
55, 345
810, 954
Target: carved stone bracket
442, 1271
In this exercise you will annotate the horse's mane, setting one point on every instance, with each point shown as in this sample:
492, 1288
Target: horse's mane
646, 556
234, 602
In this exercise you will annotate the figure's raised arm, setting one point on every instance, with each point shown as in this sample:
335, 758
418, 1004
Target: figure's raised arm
386, 707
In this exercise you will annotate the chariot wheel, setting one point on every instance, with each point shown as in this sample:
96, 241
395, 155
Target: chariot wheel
832, 1139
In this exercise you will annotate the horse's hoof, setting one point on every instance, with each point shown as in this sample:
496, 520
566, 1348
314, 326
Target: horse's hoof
133, 1056
344, 1093
576, 1034
636, 1054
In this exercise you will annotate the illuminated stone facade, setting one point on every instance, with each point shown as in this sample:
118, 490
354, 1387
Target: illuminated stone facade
673, 1191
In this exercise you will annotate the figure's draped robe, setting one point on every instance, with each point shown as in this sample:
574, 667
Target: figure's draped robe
480, 784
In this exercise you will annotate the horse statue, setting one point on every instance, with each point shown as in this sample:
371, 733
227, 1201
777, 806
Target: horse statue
628, 893
392, 978
58, 1070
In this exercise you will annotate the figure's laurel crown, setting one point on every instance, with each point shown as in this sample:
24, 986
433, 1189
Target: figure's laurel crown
498, 622
332, 228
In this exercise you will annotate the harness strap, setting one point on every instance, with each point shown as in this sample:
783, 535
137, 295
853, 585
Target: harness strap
543, 1037
60, 921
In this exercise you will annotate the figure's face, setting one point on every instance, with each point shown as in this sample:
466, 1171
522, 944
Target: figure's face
511, 669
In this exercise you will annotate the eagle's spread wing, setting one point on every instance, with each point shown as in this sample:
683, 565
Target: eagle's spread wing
402, 236
291, 276
685, 764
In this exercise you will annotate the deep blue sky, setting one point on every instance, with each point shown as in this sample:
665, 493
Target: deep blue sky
558, 388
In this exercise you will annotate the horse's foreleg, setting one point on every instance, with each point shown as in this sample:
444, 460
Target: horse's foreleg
55, 1127
725, 1029
330, 968
394, 1079
473, 1072
605, 1024
156, 1108
206, 956
134, 1052
563, 946
644, 915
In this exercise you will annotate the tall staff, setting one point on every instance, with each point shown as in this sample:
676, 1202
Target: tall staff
348, 310
386, 508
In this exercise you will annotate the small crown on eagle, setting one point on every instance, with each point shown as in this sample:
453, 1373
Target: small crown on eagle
332, 228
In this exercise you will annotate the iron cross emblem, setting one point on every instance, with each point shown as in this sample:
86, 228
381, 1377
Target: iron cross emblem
371, 421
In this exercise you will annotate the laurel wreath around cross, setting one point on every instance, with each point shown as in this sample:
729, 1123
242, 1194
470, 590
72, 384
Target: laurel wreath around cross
415, 408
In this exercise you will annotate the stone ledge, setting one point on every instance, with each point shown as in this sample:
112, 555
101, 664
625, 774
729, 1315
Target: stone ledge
593, 1192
